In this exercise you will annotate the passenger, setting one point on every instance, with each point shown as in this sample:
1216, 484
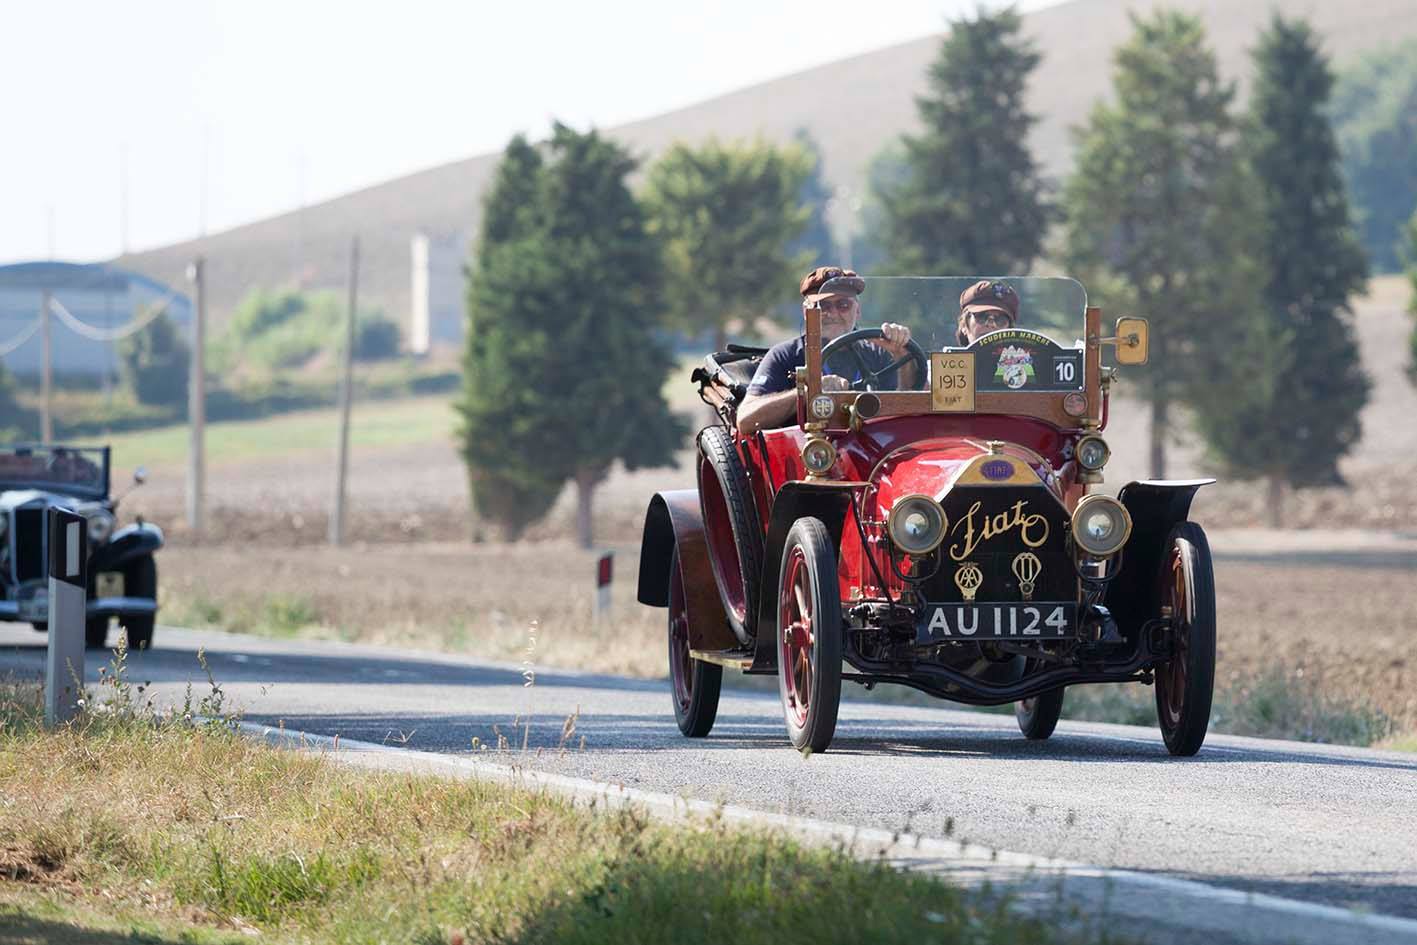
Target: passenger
988, 305
771, 400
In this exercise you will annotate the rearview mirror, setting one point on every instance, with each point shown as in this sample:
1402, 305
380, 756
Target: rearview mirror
1132, 340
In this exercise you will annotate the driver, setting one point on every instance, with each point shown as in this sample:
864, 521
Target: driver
988, 305
771, 400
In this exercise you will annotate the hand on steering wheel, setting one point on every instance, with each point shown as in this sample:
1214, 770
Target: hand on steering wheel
871, 380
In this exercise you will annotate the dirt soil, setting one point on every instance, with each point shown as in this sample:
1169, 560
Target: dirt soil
1348, 630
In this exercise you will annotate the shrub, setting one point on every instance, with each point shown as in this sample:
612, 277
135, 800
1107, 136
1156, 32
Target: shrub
154, 364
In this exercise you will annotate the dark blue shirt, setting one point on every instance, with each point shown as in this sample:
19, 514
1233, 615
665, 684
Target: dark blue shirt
774, 372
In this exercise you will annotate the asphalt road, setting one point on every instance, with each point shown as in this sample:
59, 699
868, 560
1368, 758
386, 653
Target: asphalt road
1319, 824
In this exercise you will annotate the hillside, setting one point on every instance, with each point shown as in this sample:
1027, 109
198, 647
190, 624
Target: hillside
852, 107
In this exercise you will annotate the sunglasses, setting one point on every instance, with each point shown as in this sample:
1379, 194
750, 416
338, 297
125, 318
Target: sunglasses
992, 318
840, 306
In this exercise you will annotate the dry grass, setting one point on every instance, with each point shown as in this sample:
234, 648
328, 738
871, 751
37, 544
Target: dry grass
121, 829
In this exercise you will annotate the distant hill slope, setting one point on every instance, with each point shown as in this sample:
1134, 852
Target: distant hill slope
852, 107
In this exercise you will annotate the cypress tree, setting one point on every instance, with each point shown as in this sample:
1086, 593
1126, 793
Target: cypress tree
1159, 211
1412, 307
972, 201
563, 374
1294, 425
501, 432
815, 246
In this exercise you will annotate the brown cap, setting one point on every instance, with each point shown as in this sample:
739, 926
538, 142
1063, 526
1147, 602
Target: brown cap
826, 281
989, 295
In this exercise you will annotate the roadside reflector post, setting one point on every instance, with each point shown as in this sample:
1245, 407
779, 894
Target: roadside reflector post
604, 571
68, 612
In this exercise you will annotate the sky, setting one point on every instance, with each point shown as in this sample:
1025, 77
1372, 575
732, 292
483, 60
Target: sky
207, 114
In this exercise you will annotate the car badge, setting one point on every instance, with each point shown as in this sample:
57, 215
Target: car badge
968, 577
1015, 367
1026, 568
823, 407
997, 469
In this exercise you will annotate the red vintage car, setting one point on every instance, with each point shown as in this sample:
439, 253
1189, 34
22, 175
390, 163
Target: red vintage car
945, 538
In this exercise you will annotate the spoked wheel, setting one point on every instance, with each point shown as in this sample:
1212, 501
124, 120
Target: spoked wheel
695, 683
1037, 717
1184, 685
809, 636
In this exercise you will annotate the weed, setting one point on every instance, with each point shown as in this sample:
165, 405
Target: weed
285, 614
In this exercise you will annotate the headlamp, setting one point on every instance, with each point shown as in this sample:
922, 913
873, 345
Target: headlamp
916, 524
819, 455
1092, 452
1101, 525
100, 527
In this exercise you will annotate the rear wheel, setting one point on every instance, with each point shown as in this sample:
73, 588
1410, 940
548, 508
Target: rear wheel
695, 683
809, 632
735, 537
1185, 684
140, 580
1037, 717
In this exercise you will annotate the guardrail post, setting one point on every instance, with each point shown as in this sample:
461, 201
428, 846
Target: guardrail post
68, 612
604, 571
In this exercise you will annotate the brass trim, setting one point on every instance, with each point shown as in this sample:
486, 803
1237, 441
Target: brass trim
890, 523
1078, 510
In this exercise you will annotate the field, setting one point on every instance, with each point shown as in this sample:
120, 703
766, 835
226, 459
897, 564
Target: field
1293, 636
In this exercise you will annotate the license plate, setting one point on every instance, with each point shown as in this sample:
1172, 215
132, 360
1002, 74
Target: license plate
1029, 620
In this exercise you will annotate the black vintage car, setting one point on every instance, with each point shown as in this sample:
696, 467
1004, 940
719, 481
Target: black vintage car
122, 576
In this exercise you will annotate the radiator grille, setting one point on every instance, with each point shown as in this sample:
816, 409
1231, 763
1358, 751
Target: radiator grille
30, 543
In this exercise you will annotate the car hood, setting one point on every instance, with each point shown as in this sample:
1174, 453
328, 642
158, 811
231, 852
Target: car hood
934, 467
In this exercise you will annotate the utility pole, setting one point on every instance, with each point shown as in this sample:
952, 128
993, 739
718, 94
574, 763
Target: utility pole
46, 373
346, 386
197, 402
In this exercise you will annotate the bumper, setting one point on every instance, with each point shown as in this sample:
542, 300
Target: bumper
38, 610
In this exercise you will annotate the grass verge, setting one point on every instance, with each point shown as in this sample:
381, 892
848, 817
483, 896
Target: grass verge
129, 827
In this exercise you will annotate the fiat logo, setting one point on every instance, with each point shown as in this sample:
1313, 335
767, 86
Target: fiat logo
997, 469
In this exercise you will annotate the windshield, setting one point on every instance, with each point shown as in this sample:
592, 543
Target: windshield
79, 471
1030, 320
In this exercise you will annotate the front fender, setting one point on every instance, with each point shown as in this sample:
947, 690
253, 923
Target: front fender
127, 544
675, 520
826, 501
1156, 506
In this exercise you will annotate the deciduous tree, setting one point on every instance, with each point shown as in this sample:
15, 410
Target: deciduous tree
727, 215
972, 200
1159, 214
1288, 409
1375, 113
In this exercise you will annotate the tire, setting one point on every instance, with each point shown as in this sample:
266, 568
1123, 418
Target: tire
95, 633
809, 636
735, 538
1186, 684
140, 580
1037, 717
694, 684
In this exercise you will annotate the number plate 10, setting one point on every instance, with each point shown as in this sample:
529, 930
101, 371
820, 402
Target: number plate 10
952, 381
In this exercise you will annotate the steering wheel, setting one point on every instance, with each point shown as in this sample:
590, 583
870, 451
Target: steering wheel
872, 379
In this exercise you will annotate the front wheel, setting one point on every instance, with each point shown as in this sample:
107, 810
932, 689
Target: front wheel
1037, 717
1185, 684
140, 580
809, 633
696, 684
